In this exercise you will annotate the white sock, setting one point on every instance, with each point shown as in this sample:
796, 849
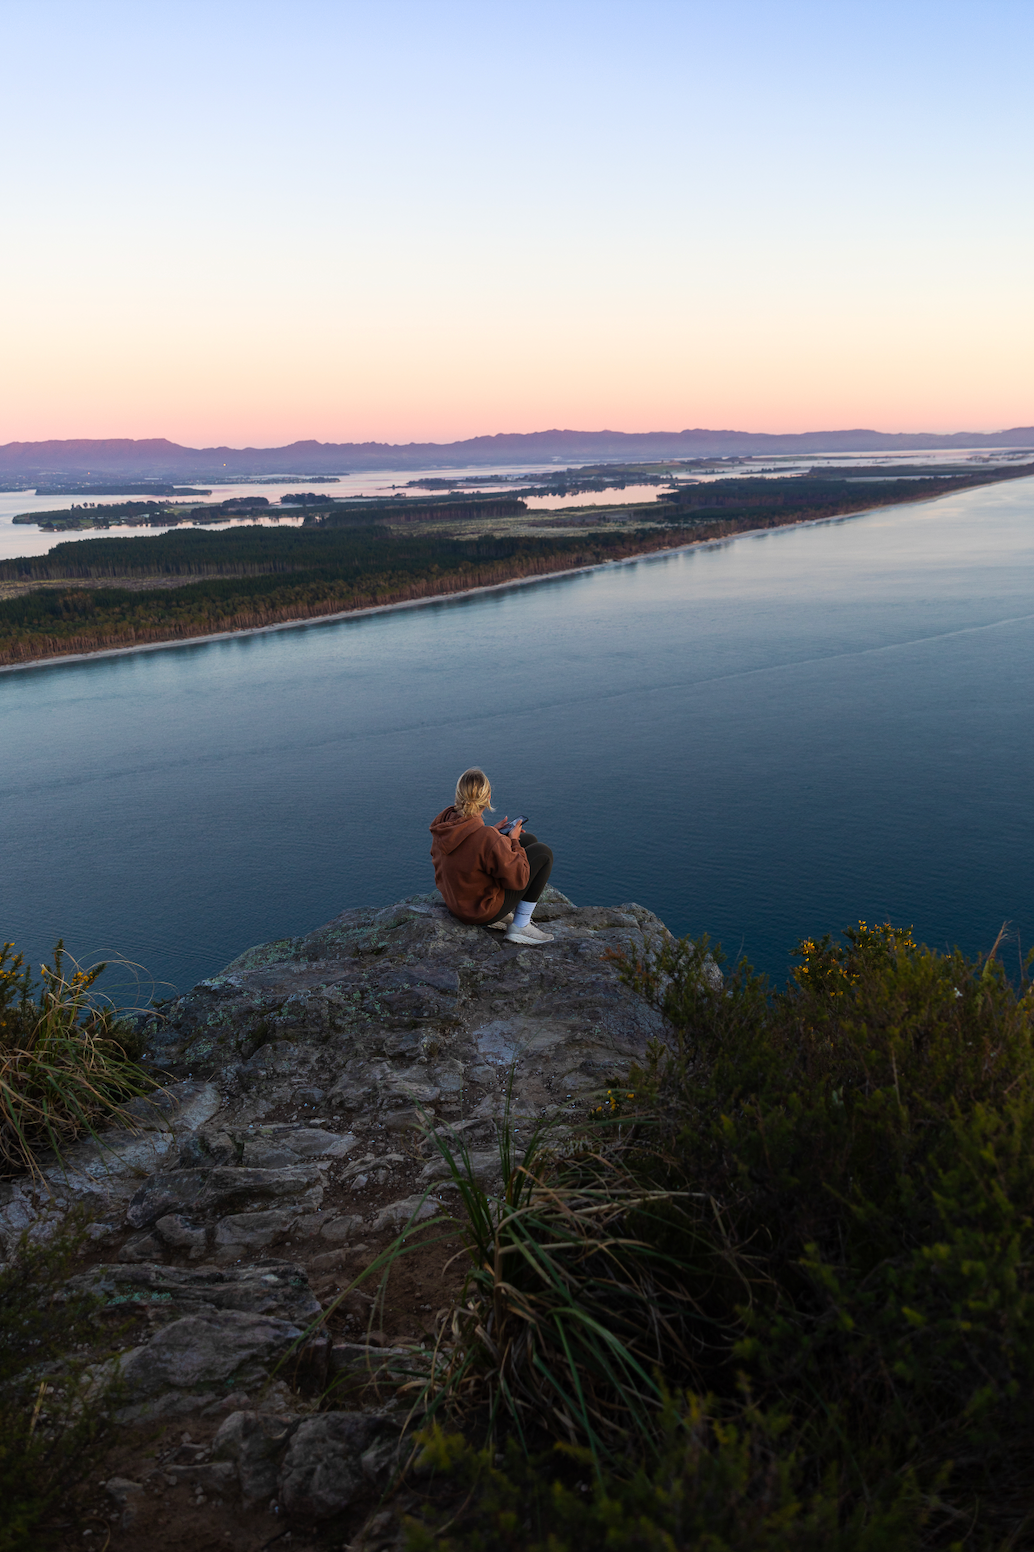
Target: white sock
522, 912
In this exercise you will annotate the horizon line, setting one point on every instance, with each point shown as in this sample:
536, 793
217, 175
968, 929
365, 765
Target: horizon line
511, 436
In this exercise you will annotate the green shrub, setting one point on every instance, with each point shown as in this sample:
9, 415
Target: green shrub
714, 1483
66, 1060
869, 1133
824, 1201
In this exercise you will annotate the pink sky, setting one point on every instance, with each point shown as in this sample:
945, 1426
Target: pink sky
250, 223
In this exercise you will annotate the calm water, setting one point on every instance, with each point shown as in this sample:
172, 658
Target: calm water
758, 740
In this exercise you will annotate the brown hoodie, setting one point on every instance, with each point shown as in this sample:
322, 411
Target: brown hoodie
474, 866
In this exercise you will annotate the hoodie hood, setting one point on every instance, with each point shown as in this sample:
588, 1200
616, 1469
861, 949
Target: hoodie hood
450, 829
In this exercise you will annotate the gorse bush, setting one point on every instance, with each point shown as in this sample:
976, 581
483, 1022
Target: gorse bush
66, 1059
713, 1482
834, 1184
870, 1134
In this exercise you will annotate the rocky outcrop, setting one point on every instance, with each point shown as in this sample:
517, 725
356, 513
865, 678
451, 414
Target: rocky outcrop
290, 1144
386, 1009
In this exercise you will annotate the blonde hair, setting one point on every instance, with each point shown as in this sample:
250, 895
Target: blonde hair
473, 793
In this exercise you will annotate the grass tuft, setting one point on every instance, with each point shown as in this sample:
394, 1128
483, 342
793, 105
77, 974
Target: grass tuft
572, 1305
66, 1060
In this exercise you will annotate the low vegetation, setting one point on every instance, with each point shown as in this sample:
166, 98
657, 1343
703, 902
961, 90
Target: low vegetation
825, 494
323, 507
66, 1060
781, 1293
566, 1313
55, 1416
66, 1069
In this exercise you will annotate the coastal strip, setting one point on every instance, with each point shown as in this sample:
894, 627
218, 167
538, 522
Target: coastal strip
356, 614
106, 596
656, 549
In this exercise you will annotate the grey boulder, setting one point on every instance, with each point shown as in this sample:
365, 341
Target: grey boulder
214, 1191
272, 1288
330, 1460
253, 1231
254, 1442
198, 1353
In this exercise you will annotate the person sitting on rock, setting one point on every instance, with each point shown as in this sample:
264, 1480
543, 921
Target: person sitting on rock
488, 879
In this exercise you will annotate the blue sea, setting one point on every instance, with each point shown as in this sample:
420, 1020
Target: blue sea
760, 739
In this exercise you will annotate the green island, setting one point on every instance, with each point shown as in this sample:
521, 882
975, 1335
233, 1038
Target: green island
350, 554
167, 514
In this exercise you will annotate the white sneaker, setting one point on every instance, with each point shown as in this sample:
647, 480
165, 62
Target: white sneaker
528, 934
500, 925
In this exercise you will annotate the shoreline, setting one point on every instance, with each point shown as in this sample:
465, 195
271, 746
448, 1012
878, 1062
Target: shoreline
438, 598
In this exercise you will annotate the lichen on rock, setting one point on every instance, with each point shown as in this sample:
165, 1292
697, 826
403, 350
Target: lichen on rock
409, 1007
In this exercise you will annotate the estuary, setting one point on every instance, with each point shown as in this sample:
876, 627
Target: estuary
760, 739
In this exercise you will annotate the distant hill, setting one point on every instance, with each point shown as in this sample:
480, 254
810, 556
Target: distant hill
157, 458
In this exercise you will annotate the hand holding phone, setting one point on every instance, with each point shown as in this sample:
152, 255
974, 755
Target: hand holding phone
511, 824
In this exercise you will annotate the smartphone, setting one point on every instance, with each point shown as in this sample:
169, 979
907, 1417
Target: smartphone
506, 828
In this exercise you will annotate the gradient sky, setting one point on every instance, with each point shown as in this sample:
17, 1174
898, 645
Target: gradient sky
406, 220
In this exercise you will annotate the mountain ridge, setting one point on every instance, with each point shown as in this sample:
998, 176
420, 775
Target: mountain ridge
157, 456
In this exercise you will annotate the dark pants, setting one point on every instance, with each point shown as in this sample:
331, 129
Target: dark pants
540, 860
